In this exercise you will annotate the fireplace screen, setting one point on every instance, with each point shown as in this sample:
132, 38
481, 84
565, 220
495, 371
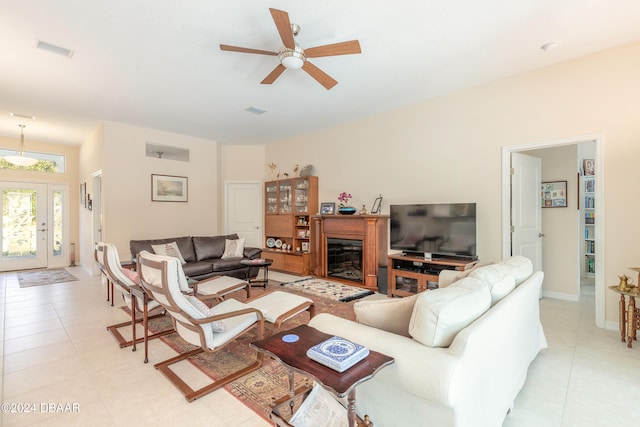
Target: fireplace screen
344, 259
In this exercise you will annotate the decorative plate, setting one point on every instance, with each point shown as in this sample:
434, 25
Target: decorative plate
271, 242
306, 171
290, 338
278, 243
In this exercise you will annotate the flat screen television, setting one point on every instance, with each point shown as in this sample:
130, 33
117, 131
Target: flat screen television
442, 230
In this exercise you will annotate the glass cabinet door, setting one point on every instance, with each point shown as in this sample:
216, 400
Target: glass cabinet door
271, 197
301, 197
285, 195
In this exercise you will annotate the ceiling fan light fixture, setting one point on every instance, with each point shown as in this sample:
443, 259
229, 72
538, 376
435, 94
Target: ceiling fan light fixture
292, 59
21, 159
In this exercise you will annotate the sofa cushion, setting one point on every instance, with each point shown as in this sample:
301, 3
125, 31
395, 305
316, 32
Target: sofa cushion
194, 269
499, 277
168, 249
438, 315
227, 264
389, 314
210, 247
184, 244
521, 267
233, 248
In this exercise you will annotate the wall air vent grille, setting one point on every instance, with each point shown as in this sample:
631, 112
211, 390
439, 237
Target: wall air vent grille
58, 50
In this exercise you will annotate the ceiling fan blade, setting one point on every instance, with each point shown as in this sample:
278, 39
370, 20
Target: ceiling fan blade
281, 19
273, 75
323, 78
246, 50
343, 48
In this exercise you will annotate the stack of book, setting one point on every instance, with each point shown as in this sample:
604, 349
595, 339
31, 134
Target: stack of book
338, 353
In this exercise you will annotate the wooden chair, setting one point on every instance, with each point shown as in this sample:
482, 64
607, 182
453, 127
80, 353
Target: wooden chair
209, 329
98, 255
108, 255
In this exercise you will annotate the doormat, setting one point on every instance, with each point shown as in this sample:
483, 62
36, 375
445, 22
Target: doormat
44, 277
328, 289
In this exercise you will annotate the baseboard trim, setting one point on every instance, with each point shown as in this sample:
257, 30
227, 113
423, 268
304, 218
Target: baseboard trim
562, 296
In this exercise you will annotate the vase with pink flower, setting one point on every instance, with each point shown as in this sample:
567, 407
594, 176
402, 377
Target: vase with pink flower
343, 207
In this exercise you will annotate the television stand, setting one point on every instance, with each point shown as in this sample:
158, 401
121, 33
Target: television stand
409, 274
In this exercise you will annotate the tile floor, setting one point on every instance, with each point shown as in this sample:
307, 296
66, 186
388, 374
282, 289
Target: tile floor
60, 363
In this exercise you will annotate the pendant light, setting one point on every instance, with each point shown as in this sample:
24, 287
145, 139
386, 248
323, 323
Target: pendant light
21, 160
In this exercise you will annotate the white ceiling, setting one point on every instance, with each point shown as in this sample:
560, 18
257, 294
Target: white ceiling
157, 64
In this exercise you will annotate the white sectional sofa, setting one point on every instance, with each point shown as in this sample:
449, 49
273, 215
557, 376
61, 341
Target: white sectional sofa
461, 352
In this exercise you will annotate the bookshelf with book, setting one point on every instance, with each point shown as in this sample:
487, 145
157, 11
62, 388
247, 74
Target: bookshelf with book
588, 224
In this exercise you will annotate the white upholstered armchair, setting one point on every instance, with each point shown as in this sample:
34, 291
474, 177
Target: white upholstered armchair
208, 328
109, 260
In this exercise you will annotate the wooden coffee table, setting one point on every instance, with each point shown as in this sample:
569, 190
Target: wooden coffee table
293, 356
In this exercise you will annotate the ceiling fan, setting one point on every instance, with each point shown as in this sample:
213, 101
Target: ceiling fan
292, 56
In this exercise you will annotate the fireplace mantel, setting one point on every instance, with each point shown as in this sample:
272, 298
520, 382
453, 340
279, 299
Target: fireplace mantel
371, 229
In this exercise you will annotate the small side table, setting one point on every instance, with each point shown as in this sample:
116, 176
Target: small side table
293, 356
259, 262
629, 314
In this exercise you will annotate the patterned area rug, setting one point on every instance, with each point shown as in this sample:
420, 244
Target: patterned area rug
328, 289
259, 389
44, 277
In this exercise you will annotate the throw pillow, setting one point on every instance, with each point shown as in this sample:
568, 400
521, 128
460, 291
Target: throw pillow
389, 314
439, 314
521, 267
131, 275
499, 277
233, 248
168, 249
216, 326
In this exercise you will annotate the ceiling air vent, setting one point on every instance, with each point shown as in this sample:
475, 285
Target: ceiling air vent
58, 50
255, 110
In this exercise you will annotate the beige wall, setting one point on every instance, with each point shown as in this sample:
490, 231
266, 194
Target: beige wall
70, 177
449, 149
91, 161
128, 211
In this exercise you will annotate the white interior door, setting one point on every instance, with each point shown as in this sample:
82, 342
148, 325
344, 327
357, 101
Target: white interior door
24, 228
526, 214
243, 211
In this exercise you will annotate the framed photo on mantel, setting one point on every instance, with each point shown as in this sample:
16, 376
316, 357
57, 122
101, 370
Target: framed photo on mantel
327, 208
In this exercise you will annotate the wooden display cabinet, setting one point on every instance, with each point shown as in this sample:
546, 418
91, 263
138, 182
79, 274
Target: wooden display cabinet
289, 204
409, 275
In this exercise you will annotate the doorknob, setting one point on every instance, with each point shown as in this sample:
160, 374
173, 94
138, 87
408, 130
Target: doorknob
540, 234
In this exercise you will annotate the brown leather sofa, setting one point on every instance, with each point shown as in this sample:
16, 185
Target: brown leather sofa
203, 255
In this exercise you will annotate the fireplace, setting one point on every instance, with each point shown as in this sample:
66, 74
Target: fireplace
350, 248
344, 259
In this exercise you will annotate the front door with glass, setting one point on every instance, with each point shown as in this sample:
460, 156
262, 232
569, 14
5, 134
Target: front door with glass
24, 226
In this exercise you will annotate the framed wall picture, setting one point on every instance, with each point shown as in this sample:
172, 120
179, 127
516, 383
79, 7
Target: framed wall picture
83, 193
327, 208
589, 166
167, 188
554, 194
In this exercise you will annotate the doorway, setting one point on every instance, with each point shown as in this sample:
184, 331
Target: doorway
243, 211
34, 227
599, 210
